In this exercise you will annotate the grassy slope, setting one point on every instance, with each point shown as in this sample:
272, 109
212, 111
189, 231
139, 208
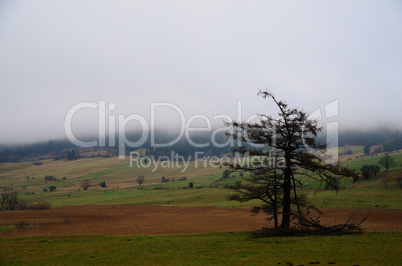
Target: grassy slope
378, 248
123, 189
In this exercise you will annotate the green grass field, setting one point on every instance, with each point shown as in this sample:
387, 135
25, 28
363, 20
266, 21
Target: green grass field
376, 248
122, 187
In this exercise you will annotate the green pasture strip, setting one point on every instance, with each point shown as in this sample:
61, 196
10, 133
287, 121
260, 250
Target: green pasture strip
374, 248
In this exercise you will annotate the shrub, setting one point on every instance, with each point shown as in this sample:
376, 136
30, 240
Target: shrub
34, 206
369, 170
8, 201
50, 178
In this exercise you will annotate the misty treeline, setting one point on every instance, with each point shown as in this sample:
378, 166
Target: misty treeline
16, 153
64, 149
389, 139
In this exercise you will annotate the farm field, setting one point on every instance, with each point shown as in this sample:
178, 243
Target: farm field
209, 187
131, 219
169, 223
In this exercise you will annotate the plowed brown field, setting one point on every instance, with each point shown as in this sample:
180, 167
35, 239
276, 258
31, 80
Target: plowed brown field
129, 219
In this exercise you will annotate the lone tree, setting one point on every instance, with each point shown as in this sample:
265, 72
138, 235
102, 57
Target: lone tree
85, 184
282, 149
387, 162
140, 179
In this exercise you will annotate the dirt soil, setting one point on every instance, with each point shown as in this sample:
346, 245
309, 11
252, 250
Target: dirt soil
130, 219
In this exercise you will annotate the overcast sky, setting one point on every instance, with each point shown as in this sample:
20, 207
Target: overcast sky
201, 56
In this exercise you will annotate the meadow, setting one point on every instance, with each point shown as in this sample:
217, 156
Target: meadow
238, 248
210, 189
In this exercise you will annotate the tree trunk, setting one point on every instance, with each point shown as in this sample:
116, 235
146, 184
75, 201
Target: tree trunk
286, 194
275, 215
275, 205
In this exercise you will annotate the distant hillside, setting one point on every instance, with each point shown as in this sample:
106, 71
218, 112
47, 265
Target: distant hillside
376, 141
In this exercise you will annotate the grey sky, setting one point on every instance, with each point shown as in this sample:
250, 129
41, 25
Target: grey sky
202, 56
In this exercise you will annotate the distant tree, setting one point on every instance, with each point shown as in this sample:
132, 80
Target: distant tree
140, 179
387, 162
52, 188
377, 150
85, 184
225, 174
399, 181
191, 184
102, 184
50, 178
365, 172
72, 155
367, 149
385, 179
369, 170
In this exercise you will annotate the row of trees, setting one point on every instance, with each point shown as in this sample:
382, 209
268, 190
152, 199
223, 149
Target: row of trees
9, 201
72, 155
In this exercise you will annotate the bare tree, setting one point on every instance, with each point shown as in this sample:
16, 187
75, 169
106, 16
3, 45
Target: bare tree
85, 184
287, 149
140, 179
